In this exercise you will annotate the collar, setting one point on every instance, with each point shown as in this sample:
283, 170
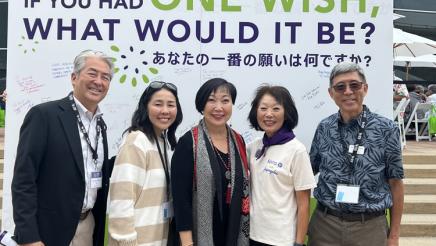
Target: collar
84, 111
282, 136
357, 120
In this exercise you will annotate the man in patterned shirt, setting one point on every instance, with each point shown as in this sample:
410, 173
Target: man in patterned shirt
357, 154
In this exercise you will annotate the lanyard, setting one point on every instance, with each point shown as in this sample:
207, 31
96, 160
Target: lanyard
359, 138
83, 130
164, 159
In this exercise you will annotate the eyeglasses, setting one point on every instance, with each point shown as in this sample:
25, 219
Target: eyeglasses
354, 85
160, 84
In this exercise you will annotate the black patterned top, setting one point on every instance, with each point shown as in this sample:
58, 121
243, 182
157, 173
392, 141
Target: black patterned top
371, 170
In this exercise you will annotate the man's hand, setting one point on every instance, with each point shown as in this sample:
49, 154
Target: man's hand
393, 241
33, 244
397, 189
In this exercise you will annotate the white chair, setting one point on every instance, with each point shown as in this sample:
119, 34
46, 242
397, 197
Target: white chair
399, 119
419, 117
397, 109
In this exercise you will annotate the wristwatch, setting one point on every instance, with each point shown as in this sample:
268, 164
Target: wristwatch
299, 244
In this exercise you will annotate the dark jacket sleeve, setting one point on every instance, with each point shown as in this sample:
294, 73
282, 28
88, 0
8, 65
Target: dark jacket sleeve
30, 153
182, 168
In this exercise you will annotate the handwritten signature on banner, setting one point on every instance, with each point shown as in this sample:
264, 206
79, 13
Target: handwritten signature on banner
248, 136
45, 99
310, 94
22, 106
241, 105
209, 74
324, 73
114, 147
319, 105
182, 70
61, 70
28, 85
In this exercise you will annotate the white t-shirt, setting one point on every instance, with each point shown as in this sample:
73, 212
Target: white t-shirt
275, 177
432, 99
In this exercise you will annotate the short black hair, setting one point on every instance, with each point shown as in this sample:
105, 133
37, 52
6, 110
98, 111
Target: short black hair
411, 87
283, 97
141, 121
211, 86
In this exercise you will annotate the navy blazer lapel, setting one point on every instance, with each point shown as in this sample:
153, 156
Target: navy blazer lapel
71, 130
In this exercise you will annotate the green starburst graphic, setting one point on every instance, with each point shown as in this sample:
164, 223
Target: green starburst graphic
124, 66
28, 45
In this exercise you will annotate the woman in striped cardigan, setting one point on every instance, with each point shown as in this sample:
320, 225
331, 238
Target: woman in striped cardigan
140, 207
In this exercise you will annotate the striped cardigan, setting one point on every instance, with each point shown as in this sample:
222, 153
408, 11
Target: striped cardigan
137, 194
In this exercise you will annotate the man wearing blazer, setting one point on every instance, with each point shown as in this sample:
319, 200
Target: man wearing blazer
61, 174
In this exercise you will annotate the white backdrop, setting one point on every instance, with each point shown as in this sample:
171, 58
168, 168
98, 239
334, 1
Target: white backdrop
253, 42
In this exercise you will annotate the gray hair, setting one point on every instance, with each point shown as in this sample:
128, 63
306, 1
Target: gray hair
80, 60
432, 88
346, 67
420, 89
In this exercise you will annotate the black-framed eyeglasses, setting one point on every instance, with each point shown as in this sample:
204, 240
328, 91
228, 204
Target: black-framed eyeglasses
354, 85
160, 84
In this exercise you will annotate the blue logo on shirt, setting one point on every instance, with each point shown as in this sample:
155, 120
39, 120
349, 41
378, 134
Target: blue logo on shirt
272, 166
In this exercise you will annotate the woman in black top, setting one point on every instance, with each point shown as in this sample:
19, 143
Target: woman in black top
209, 173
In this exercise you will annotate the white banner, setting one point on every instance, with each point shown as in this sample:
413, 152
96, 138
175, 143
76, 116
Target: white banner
186, 42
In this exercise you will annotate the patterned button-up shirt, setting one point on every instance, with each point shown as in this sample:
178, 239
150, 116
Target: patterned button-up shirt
371, 170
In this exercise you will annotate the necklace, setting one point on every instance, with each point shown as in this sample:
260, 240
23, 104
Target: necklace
225, 163
227, 166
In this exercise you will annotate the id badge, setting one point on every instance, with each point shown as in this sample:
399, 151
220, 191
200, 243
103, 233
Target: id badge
270, 168
96, 180
360, 149
168, 210
347, 193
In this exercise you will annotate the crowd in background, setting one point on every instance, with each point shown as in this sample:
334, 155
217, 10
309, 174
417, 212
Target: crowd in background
417, 94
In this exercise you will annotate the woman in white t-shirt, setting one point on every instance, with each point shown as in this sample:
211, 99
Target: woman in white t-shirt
281, 174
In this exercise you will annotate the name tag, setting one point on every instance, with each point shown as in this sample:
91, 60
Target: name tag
273, 167
360, 150
347, 193
96, 180
168, 210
